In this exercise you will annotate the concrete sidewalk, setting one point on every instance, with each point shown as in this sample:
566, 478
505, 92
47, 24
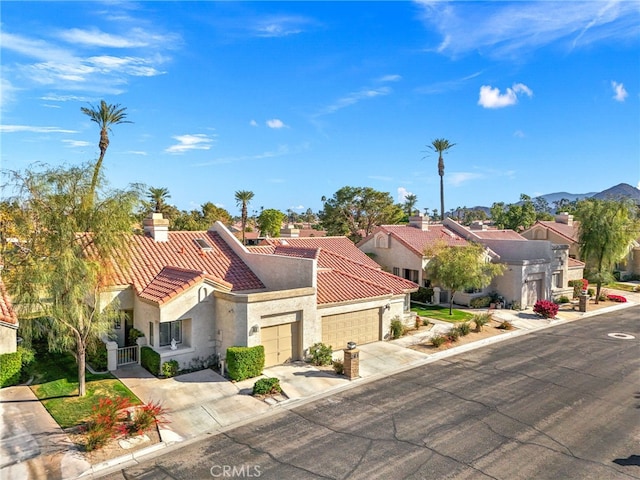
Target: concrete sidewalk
204, 402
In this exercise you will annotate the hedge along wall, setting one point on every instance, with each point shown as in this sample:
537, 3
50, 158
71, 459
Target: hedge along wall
10, 366
245, 362
150, 359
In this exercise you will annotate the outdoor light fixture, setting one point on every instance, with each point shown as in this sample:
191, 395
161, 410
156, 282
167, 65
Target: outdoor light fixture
351, 345
255, 329
387, 306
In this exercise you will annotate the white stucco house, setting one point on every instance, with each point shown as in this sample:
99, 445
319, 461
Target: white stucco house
205, 291
8, 323
534, 269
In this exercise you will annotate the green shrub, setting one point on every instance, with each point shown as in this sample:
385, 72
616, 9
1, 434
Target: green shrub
104, 422
506, 325
338, 367
10, 366
423, 295
397, 328
150, 359
481, 320
591, 292
454, 335
480, 302
97, 355
170, 368
425, 322
438, 340
134, 334
562, 299
320, 354
267, 386
245, 362
464, 328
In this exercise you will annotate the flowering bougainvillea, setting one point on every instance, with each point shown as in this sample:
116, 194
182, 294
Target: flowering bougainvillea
546, 308
616, 298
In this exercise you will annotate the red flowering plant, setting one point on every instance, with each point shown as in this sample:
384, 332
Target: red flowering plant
545, 308
616, 298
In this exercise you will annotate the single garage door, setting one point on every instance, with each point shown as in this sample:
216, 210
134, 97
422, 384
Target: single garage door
280, 343
360, 327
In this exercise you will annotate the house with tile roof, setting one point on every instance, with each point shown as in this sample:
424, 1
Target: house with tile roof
564, 230
535, 270
8, 323
194, 294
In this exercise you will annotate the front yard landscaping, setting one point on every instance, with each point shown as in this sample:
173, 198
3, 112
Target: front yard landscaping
439, 312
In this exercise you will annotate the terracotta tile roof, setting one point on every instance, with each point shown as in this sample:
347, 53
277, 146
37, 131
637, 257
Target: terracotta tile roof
172, 281
341, 278
7, 313
570, 232
340, 245
148, 258
497, 235
573, 263
417, 240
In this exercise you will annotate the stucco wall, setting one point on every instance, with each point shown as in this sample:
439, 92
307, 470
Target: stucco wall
8, 337
397, 255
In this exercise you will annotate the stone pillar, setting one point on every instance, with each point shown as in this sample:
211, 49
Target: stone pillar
436, 295
584, 301
352, 363
112, 355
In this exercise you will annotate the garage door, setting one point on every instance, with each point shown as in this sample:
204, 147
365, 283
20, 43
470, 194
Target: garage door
280, 343
360, 327
533, 291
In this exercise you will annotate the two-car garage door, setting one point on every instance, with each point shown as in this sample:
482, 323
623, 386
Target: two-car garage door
360, 327
281, 343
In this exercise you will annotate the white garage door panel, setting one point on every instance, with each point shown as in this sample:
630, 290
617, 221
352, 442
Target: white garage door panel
280, 343
360, 327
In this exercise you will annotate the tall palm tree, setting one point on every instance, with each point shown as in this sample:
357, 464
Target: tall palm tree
243, 197
441, 145
105, 115
158, 197
410, 203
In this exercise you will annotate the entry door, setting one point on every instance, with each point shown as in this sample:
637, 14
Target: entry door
280, 343
533, 291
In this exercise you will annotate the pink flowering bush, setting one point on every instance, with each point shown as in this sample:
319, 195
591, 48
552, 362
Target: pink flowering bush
546, 308
616, 298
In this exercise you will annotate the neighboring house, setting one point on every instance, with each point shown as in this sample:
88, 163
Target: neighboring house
255, 237
565, 231
206, 292
8, 323
535, 269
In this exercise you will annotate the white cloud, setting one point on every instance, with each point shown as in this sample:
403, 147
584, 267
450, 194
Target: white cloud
33, 129
280, 25
402, 194
390, 78
253, 123
186, 143
620, 93
492, 98
509, 29
76, 143
275, 123
519, 134
135, 38
458, 178
353, 98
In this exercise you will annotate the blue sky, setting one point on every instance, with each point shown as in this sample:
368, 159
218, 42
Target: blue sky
295, 100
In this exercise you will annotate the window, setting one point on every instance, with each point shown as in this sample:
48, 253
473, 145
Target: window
151, 334
396, 271
407, 302
556, 280
410, 274
169, 331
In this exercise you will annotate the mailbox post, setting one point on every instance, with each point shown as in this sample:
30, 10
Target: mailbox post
351, 361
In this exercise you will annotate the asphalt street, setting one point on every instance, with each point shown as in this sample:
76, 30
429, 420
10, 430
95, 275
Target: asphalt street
560, 403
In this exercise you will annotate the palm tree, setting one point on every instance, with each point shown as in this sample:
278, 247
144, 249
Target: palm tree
158, 197
243, 197
441, 145
105, 115
410, 203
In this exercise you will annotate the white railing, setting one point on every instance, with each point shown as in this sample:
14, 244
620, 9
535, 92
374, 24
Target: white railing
127, 355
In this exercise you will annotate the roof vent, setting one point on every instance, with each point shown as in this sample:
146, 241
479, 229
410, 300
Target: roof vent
204, 246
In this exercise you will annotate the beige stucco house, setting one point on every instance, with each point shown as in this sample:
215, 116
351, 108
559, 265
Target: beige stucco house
564, 230
534, 269
195, 294
8, 323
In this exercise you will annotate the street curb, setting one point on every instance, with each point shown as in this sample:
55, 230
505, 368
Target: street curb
133, 459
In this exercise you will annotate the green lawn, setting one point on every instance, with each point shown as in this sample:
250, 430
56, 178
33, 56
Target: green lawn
621, 286
442, 313
56, 385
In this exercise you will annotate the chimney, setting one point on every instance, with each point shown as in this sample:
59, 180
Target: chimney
419, 222
478, 225
156, 226
565, 218
290, 231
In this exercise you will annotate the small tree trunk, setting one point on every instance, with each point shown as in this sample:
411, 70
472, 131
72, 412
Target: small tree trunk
598, 287
453, 292
82, 388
